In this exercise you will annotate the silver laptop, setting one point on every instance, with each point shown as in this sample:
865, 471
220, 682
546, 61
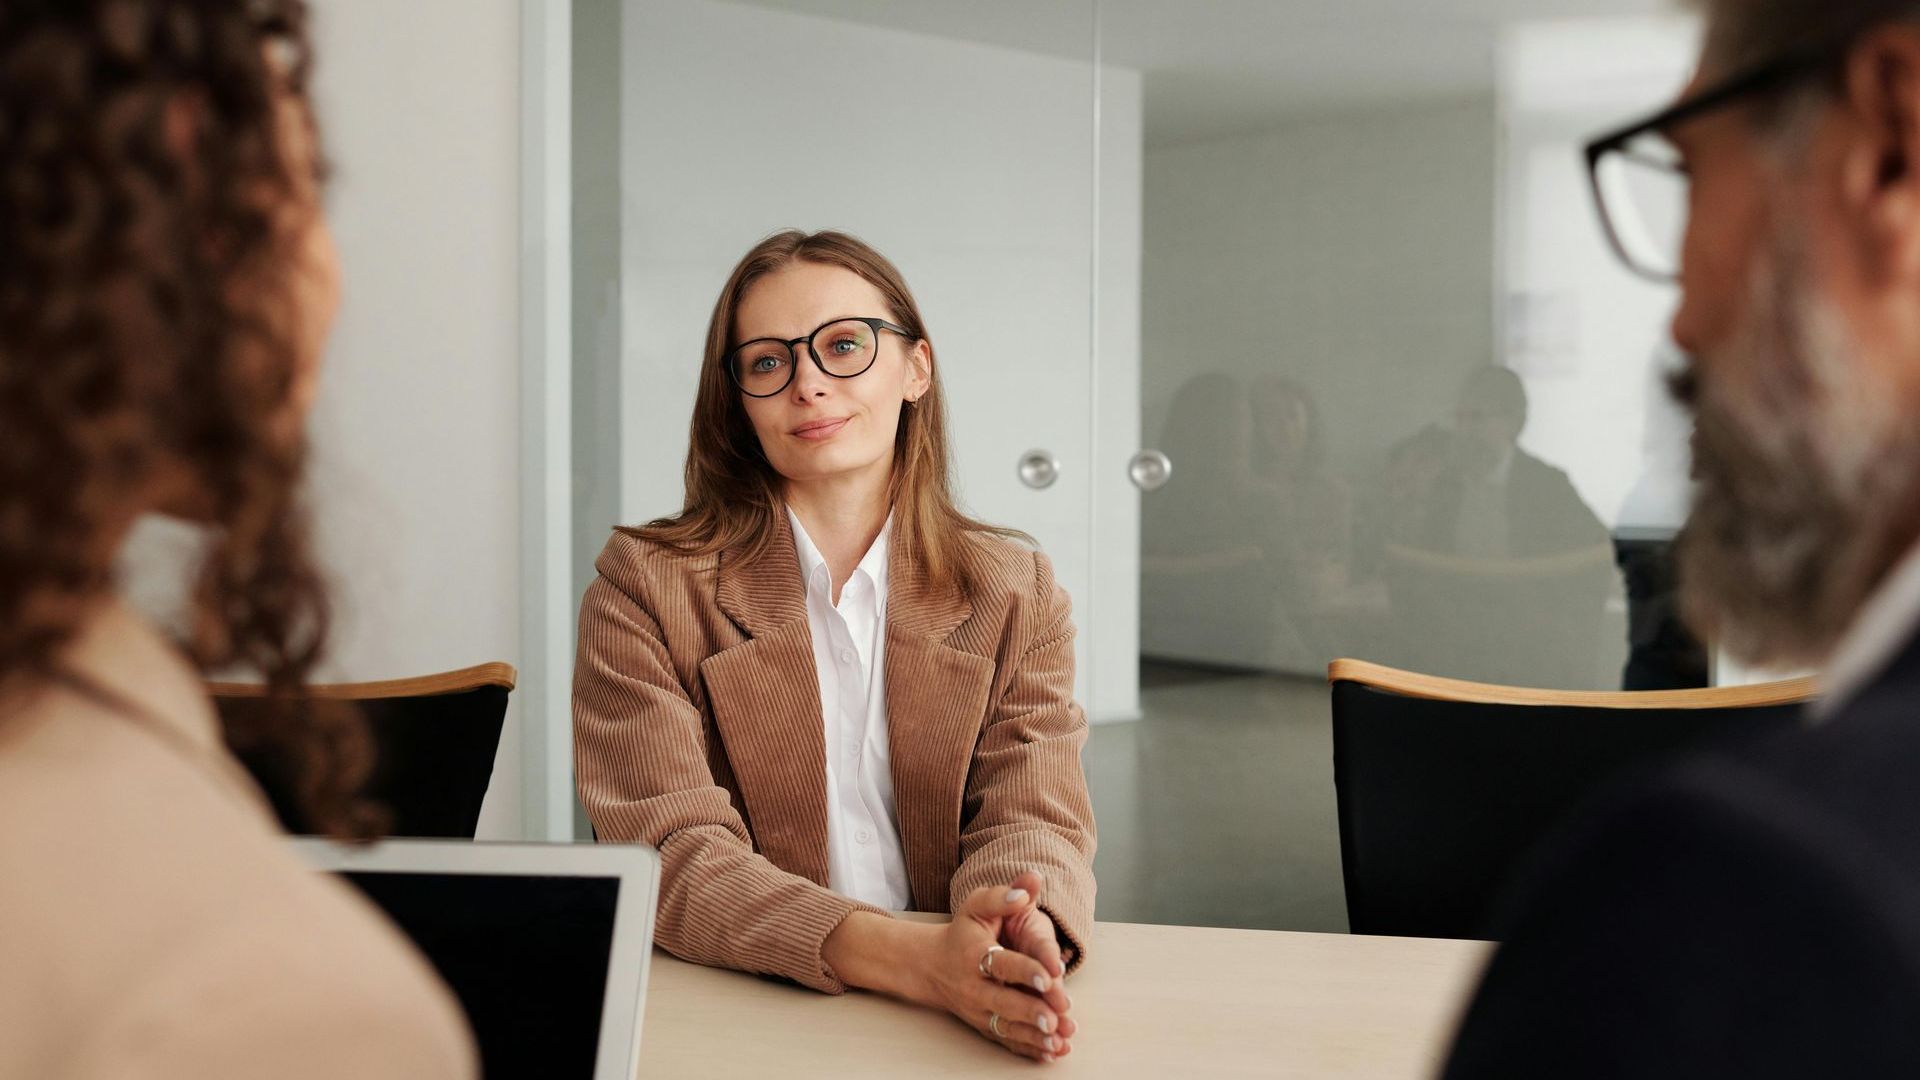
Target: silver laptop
546, 945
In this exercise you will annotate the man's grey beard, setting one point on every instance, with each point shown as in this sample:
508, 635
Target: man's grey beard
1807, 477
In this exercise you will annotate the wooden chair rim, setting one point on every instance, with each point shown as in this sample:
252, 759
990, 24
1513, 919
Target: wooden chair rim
447, 682
1434, 688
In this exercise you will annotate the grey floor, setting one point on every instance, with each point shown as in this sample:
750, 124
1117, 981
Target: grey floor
1216, 808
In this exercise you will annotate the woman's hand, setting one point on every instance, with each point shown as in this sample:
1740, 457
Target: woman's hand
1012, 998
977, 972
1032, 932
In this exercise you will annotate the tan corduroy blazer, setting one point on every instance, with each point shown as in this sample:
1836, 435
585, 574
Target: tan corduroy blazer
698, 730
153, 921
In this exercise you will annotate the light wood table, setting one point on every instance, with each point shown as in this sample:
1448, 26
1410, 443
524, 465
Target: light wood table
1152, 1001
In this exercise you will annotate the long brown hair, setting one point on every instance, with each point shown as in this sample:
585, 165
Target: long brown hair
734, 493
149, 327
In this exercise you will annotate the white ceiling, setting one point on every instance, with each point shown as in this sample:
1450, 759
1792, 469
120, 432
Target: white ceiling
1217, 67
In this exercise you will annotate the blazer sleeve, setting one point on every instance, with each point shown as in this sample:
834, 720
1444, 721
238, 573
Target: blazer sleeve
1712, 928
1026, 805
641, 763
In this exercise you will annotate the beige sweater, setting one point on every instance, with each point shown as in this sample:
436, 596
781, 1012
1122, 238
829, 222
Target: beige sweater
698, 730
152, 922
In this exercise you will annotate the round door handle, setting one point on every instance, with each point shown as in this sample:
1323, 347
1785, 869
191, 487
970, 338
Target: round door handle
1039, 469
1150, 470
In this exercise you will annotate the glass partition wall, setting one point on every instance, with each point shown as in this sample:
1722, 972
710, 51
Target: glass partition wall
1287, 330
1407, 397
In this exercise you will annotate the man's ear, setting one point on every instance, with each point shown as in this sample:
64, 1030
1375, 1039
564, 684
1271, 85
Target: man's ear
1879, 166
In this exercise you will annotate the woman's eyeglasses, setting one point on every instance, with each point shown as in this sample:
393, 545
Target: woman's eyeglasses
843, 348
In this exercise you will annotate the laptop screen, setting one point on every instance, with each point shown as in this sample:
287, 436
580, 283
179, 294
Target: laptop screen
526, 955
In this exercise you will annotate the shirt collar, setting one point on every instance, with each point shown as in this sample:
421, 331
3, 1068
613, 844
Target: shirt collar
874, 563
813, 565
1879, 632
1503, 469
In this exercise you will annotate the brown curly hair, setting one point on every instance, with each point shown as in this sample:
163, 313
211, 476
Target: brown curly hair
149, 327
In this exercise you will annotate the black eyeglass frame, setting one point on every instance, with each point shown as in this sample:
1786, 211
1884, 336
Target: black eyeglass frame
793, 353
1767, 76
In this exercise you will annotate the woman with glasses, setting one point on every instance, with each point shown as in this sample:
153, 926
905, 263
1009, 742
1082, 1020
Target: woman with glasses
824, 693
166, 285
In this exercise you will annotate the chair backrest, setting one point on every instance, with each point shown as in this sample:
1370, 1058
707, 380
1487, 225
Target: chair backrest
1445, 786
434, 737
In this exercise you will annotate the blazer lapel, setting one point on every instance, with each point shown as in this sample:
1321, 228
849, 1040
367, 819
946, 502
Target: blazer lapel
936, 707
765, 696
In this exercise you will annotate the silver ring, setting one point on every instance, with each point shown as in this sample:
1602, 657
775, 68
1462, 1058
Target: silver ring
986, 960
993, 1025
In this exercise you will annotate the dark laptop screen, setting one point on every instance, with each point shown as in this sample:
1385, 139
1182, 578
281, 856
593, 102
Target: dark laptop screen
526, 955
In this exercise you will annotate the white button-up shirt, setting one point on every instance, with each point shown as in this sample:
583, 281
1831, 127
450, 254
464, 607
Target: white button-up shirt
864, 858
1882, 628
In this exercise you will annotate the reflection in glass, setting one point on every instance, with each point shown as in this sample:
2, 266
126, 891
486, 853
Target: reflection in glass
1239, 554
1662, 654
1496, 569
1205, 584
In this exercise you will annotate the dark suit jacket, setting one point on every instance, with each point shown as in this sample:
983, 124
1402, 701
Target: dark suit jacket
1754, 913
1545, 514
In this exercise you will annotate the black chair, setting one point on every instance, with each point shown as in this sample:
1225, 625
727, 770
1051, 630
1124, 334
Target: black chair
434, 741
1445, 786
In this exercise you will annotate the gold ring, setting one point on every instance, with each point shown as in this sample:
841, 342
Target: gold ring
986, 960
993, 1025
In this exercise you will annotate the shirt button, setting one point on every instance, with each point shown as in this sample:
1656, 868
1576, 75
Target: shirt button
846, 656
863, 836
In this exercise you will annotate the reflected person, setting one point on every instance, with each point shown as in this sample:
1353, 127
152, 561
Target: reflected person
1753, 911
1207, 592
1498, 571
1493, 499
1310, 511
824, 693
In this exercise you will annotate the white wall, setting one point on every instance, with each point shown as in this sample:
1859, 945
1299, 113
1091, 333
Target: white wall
1589, 337
972, 167
416, 481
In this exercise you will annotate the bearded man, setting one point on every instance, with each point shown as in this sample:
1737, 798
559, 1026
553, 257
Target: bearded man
1755, 912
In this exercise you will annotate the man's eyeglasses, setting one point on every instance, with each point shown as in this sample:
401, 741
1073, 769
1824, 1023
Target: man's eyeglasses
1640, 182
844, 349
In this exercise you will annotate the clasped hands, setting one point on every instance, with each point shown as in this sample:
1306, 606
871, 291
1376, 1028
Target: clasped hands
997, 966
1001, 971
